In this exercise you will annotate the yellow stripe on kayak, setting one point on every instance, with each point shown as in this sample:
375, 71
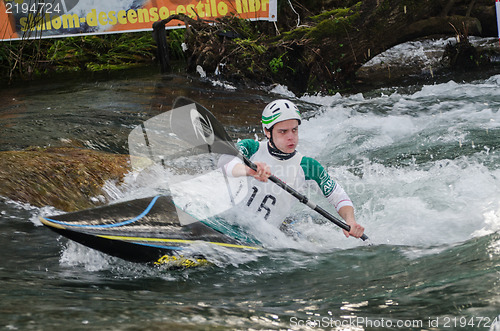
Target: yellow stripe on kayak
181, 241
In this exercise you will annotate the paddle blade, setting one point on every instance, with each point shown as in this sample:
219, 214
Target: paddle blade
180, 149
197, 126
189, 129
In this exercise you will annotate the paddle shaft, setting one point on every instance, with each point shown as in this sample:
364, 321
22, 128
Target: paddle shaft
303, 199
223, 144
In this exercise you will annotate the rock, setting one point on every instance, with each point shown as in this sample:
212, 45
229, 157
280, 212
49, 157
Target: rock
66, 178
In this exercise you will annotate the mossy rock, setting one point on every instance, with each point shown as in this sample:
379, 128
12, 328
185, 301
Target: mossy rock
66, 178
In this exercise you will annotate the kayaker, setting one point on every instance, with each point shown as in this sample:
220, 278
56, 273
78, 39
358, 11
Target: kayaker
277, 155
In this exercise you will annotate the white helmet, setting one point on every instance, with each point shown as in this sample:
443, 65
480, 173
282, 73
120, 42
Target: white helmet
279, 111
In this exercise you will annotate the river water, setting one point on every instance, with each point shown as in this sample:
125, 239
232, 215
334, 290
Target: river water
421, 164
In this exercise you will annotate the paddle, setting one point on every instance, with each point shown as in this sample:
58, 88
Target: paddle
210, 134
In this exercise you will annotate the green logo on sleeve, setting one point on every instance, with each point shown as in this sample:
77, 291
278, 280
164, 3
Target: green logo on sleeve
326, 183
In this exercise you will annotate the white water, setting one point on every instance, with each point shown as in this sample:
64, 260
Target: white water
420, 166
371, 145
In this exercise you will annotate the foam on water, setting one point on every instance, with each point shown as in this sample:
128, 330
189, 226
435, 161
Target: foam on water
419, 166
422, 167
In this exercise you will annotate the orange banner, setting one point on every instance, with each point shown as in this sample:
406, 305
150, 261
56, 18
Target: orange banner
62, 18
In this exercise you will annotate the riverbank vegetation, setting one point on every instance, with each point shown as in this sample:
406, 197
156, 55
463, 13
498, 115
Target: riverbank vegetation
316, 45
27, 59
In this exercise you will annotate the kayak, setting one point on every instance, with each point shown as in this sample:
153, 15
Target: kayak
146, 230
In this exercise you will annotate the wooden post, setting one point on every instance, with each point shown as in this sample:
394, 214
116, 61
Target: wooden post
160, 36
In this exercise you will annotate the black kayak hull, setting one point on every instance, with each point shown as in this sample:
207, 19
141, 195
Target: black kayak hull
146, 230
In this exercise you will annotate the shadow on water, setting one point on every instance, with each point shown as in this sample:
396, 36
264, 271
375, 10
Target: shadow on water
98, 111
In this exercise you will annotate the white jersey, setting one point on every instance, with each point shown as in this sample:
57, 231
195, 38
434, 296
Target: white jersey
268, 200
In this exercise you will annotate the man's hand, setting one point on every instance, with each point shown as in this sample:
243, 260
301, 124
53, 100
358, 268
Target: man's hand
263, 172
347, 213
356, 230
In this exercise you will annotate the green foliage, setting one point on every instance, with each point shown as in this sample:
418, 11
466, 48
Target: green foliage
329, 24
26, 58
250, 47
276, 64
332, 14
100, 52
295, 34
333, 22
175, 39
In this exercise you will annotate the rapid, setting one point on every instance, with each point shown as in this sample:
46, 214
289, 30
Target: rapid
420, 162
